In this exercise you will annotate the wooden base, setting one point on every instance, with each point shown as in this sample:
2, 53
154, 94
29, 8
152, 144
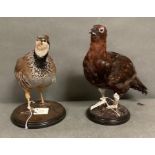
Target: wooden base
21, 114
104, 116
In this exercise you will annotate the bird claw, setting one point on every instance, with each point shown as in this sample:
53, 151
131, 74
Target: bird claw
116, 97
103, 101
29, 104
111, 107
29, 107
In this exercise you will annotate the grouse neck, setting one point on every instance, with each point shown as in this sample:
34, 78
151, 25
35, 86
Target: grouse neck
98, 47
40, 62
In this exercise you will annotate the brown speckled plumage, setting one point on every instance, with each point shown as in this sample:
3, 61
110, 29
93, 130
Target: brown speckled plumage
30, 75
109, 70
36, 71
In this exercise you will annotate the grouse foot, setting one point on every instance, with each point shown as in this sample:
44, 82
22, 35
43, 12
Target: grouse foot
101, 102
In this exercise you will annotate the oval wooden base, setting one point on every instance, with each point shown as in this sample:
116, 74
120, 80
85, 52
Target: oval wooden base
104, 116
56, 113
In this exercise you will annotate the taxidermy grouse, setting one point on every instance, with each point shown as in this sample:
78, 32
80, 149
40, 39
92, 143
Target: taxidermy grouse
36, 70
109, 70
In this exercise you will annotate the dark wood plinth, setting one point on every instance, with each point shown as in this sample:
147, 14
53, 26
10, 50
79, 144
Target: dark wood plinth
104, 116
56, 113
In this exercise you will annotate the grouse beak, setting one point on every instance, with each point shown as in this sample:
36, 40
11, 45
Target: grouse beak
41, 43
93, 32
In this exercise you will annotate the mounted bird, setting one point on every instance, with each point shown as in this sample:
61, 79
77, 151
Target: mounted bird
36, 69
109, 70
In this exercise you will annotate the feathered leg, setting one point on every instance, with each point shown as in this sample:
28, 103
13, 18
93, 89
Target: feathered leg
102, 99
28, 97
41, 95
42, 99
115, 102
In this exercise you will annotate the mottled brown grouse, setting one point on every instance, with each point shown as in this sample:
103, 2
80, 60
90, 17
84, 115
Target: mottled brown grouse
36, 70
109, 70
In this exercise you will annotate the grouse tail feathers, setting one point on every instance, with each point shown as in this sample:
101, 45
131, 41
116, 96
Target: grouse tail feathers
138, 85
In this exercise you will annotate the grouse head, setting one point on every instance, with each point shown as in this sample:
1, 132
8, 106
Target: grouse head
42, 46
98, 32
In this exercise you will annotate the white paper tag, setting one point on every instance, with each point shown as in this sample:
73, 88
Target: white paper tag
40, 111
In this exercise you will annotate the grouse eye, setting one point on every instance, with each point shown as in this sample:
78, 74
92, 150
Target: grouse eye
101, 30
